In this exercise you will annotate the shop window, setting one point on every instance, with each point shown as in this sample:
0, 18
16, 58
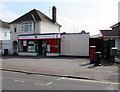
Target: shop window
31, 46
20, 46
26, 46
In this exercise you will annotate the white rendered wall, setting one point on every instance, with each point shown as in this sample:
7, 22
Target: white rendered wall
2, 34
75, 44
14, 35
5, 40
48, 27
117, 43
6, 45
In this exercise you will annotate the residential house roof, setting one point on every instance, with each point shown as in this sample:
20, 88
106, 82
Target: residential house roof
4, 24
110, 32
115, 25
34, 15
97, 36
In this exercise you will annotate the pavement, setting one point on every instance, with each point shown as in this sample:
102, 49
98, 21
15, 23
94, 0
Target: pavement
74, 67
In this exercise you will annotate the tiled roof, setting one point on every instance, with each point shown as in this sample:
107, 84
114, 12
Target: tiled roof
4, 24
34, 15
115, 25
110, 32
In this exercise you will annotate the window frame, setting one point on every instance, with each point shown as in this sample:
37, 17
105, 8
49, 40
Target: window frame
5, 34
27, 27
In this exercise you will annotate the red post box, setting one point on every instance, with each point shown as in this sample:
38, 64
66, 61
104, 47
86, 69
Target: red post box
92, 54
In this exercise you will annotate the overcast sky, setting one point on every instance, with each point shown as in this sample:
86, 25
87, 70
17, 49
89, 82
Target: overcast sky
73, 15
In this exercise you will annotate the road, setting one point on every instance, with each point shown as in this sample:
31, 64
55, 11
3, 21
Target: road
23, 81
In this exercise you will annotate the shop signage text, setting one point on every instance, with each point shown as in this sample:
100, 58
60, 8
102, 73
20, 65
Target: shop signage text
40, 37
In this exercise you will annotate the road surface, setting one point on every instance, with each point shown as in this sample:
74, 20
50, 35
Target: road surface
23, 81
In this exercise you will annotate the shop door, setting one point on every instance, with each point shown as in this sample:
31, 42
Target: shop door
5, 51
15, 47
40, 47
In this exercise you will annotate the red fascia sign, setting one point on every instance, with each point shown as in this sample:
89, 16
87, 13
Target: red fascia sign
54, 45
37, 37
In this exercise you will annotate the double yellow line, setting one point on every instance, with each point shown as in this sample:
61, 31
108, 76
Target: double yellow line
90, 80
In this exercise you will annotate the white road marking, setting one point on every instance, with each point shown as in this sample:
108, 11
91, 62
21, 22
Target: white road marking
58, 79
18, 81
49, 83
1, 78
38, 84
111, 87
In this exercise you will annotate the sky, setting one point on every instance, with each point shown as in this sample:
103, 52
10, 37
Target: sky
73, 15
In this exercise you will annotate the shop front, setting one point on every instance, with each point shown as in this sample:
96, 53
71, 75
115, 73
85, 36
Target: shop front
40, 44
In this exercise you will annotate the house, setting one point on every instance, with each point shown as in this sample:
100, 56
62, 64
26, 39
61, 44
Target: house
113, 35
34, 33
106, 40
30, 31
116, 30
5, 37
111, 38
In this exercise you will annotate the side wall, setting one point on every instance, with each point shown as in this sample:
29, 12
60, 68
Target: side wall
5, 39
75, 44
6, 45
47, 27
4, 31
117, 43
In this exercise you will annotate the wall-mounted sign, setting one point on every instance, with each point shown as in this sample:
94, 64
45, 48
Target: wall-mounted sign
55, 36
48, 48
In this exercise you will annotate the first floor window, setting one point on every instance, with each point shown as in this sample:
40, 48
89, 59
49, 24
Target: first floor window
27, 27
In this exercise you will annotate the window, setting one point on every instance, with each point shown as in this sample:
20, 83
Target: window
27, 27
15, 30
5, 34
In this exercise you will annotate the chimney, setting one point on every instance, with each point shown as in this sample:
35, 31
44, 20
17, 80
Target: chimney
54, 14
